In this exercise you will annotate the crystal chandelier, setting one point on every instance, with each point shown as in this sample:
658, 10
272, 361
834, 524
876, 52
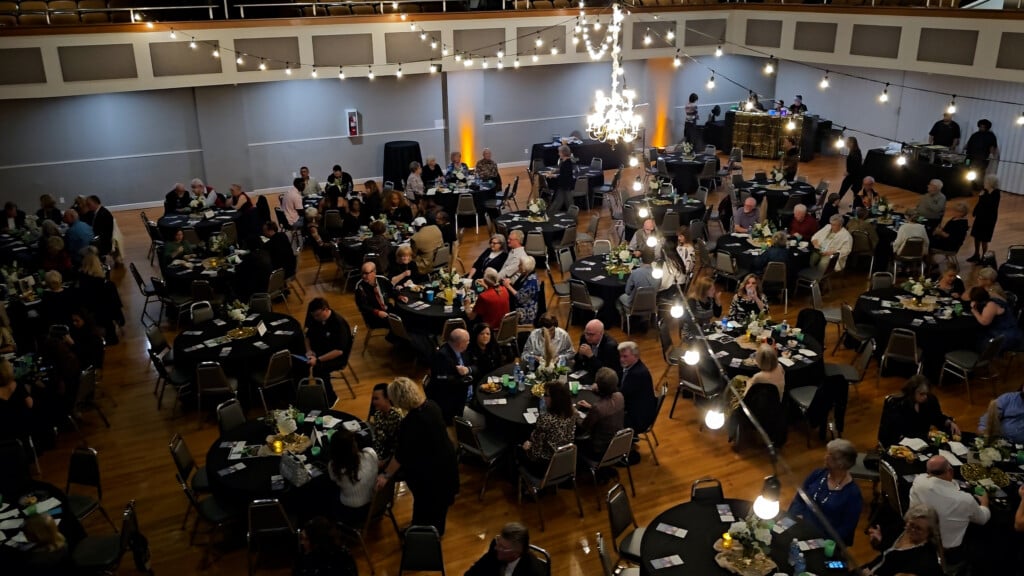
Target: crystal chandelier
613, 119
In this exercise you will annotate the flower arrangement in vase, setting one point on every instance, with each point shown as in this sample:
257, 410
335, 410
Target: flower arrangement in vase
687, 150
918, 288
537, 207
218, 244
777, 175
761, 230
197, 205
753, 534
237, 311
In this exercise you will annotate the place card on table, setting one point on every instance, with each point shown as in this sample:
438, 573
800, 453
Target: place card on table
194, 348
231, 469
277, 482
598, 278
887, 303
47, 505
225, 351
530, 417
12, 523
671, 530
279, 322
667, 562
916, 322
208, 273
929, 319
193, 333
881, 312
786, 362
812, 544
953, 460
351, 425
725, 513
735, 362
251, 317
261, 345
330, 421
219, 322
915, 444
721, 354
448, 309
958, 448
284, 332
495, 401
872, 298
581, 269
784, 524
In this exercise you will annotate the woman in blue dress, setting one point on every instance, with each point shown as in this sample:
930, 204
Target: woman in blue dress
997, 317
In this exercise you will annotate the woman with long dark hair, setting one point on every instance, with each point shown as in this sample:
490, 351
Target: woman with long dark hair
483, 350
354, 471
555, 428
854, 167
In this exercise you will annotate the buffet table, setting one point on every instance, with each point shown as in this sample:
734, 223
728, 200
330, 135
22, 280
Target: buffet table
915, 174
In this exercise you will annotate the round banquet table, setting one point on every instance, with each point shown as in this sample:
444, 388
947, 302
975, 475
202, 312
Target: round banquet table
553, 228
595, 178
204, 227
746, 254
245, 356
777, 197
704, 526
179, 276
591, 270
690, 210
508, 417
254, 481
935, 335
448, 198
425, 317
808, 367
352, 250
686, 172
14, 557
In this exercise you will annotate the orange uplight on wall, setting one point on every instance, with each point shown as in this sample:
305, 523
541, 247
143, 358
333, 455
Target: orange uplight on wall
466, 139
663, 76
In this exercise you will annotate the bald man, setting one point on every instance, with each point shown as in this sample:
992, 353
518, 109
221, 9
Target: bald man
597, 350
956, 509
451, 374
744, 217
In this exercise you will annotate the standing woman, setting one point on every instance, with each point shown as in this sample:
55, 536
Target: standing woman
424, 455
566, 181
690, 114
854, 168
986, 211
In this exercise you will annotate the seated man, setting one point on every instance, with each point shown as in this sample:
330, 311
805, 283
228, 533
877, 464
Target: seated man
832, 239
177, 200
328, 343
637, 389
450, 375
1009, 413
487, 168
516, 252
203, 192
932, 205
641, 277
310, 185
860, 223
14, 218
803, 225
492, 304
509, 555
955, 509
280, 249
597, 350
744, 217
384, 420
78, 236
638, 243
375, 296
910, 229
547, 330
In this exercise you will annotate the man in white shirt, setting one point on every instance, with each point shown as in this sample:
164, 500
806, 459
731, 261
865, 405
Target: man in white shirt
516, 253
291, 203
955, 509
312, 186
910, 229
832, 239
201, 192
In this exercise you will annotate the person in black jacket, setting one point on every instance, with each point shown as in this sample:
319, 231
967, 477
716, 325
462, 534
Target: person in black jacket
177, 200
279, 248
451, 373
493, 257
597, 350
511, 546
13, 217
102, 222
566, 181
48, 210
854, 168
328, 343
483, 352
375, 296
912, 413
637, 389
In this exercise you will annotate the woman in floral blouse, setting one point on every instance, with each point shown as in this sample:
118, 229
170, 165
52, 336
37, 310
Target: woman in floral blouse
525, 295
555, 428
749, 299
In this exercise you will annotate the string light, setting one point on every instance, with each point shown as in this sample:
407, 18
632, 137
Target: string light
824, 81
670, 35
215, 53
398, 73
394, 5
656, 271
790, 126
554, 50
444, 50
535, 58
433, 68
652, 241
575, 40
341, 73
597, 25
515, 64
433, 44
1020, 119
766, 506
643, 212
841, 140
769, 66
676, 62
951, 109
287, 68
423, 36
971, 175
500, 65
263, 65
483, 63
148, 24
412, 26
718, 51
239, 60
501, 53
637, 185
538, 42
458, 57
884, 96
901, 160
402, 16
714, 418
676, 311
174, 36
647, 37
313, 72
369, 73
633, 162
468, 61
711, 81
192, 44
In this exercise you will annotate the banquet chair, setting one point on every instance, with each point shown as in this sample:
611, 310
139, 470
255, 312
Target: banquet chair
202, 290
707, 489
333, 224
775, 280
582, 190
601, 246
561, 289
442, 258
644, 305
311, 395
601, 191
597, 164
568, 240
881, 280
649, 432
854, 372
701, 195
466, 207
276, 287
381, 505
862, 249
148, 293
482, 443
178, 304
629, 217
911, 252
449, 325
230, 233
508, 333
230, 415
832, 315
200, 312
573, 212
277, 372
158, 345
191, 236
561, 469
260, 302
156, 239
325, 254
85, 399
198, 481
536, 247
270, 528
617, 453
103, 554
14, 458
670, 223
786, 212
1015, 253
168, 375
890, 489
84, 470
815, 275
589, 236
802, 397
580, 299
725, 267
672, 354
211, 511
963, 363
802, 179
620, 517
609, 569
211, 380
709, 174
421, 550
902, 347
850, 329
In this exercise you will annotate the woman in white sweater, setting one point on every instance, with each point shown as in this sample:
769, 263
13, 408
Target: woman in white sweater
355, 472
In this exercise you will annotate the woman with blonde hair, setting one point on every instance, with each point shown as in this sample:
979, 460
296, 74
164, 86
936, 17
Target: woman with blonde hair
771, 372
49, 553
404, 269
424, 455
703, 299
99, 296
749, 298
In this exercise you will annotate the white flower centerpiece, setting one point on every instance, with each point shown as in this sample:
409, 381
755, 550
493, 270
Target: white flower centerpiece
743, 551
218, 244
238, 312
882, 205
777, 176
761, 230
918, 288
196, 205
687, 150
538, 210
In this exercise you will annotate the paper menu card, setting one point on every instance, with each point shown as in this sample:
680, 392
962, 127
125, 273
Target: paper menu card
914, 443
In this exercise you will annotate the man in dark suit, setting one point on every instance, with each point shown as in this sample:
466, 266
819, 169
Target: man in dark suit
13, 217
637, 389
597, 350
566, 181
280, 249
451, 375
375, 297
102, 222
177, 200
509, 554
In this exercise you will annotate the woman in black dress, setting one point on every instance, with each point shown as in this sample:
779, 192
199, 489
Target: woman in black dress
854, 168
425, 456
483, 351
986, 212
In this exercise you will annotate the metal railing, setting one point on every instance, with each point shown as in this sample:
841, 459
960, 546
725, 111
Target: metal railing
130, 10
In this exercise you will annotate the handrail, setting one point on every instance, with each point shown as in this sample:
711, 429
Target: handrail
131, 10
314, 4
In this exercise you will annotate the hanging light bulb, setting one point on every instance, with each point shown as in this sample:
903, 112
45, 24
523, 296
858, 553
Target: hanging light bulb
468, 61
239, 60
749, 104
972, 175
901, 160
192, 44
215, 53
515, 63
500, 65
369, 73
575, 41
951, 109
840, 142
423, 36
458, 57
148, 24
718, 51
500, 53
767, 504
643, 212
711, 82
394, 5
670, 35
1020, 119
403, 16
647, 37
398, 73
554, 50
288, 69
691, 357
884, 96
637, 185
652, 241
483, 63
677, 62
535, 58
538, 42
824, 81
676, 311
433, 44
263, 65
790, 126
444, 50
714, 419
597, 25
412, 26
433, 68
173, 34
633, 162
769, 66
657, 272
313, 73
341, 73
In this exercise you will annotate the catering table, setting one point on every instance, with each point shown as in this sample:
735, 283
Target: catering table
553, 227
806, 356
691, 209
611, 158
685, 172
204, 227
704, 526
208, 343
915, 174
256, 481
592, 271
746, 253
777, 194
935, 335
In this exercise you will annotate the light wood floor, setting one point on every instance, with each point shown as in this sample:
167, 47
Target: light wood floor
136, 464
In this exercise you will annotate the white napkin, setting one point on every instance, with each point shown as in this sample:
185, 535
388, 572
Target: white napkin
914, 443
530, 417
808, 353
958, 448
953, 460
786, 362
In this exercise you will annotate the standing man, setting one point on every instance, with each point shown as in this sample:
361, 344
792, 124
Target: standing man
309, 184
597, 350
566, 181
450, 375
637, 389
102, 222
945, 132
981, 148
328, 343
509, 555
955, 509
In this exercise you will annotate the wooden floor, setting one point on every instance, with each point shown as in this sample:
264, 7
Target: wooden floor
136, 464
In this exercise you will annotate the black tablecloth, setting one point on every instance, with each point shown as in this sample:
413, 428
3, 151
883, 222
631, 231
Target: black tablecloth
686, 172
553, 228
245, 357
14, 251
254, 482
743, 251
807, 370
448, 199
204, 227
704, 526
915, 174
777, 198
13, 557
935, 336
397, 157
609, 288
611, 158
179, 277
429, 320
692, 209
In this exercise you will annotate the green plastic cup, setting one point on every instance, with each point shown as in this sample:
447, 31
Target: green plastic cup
315, 450
330, 433
504, 380
319, 421
300, 418
830, 548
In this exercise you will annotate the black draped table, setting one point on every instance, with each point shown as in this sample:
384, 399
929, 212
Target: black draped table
209, 342
218, 271
552, 227
936, 334
397, 157
777, 194
427, 315
802, 356
686, 171
690, 209
915, 174
352, 250
611, 158
448, 197
257, 479
593, 271
595, 178
46, 498
745, 253
704, 525
204, 227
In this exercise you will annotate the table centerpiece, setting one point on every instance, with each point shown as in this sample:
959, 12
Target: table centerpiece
238, 311
196, 208
742, 550
537, 209
218, 244
920, 298
450, 282
619, 260
287, 439
687, 151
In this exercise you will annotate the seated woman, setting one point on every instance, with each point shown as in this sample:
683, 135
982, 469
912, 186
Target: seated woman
997, 318
323, 247
355, 473
57, 302
911, 413
834, 492
686, 251
525, 296
951, 235
483, 350
917, 550
432, 172
414, 183
777, 252
373, 201
548, 340
355, 214
771, 372
50, 553
404, 269
749, 300
555, 428
378, 244
55, 257
48, 210
398, 209
949, 282
703, 299
177, 248
605, 417
492, 257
